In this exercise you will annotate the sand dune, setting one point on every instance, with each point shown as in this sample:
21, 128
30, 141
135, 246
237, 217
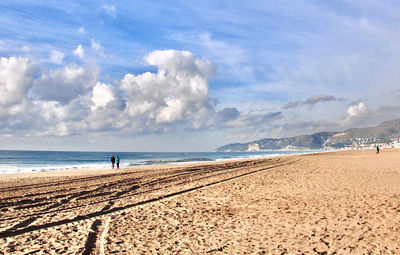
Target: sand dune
330, 203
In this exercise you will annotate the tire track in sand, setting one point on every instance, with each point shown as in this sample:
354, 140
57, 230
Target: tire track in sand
97, 222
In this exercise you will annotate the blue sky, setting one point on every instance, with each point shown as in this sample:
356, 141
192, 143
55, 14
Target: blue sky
192, 75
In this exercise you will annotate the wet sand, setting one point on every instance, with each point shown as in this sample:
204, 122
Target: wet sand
332, 203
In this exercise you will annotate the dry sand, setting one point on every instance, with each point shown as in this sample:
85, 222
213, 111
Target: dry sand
332, 203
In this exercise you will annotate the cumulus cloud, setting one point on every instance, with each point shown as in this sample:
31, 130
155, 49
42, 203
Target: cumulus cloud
96, 46
79, 52
64, 84
56, 57
179, 89
311, 101
357, 110
16, 76
357, 114
53, 118
105, 95
232, 58
71, 99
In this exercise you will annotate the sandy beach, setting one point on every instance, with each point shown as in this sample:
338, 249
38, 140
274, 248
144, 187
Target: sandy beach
331, 203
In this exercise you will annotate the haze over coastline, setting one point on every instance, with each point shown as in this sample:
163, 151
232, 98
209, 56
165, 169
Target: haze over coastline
192, 75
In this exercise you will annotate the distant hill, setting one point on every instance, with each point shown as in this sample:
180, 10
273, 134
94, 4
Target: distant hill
384, 133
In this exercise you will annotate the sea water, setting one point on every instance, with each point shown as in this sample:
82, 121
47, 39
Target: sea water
12, 161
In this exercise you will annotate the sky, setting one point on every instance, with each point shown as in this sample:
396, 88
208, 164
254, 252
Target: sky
192, 75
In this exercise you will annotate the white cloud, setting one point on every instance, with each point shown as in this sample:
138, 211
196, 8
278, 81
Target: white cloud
356, 115
56, 57
232, 59
65, 84
15, 81
104, 95
71, 100
79, 52
97, 47
360, 115
178, 91
357, 110
53, 118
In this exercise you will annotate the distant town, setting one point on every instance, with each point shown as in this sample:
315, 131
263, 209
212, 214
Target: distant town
385, 135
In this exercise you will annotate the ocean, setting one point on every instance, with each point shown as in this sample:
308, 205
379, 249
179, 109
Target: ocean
12, 161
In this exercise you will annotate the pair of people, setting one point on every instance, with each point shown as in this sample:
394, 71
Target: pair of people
115, 160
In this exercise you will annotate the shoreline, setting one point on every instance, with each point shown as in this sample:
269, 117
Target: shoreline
140, 168
337, 202
89, 170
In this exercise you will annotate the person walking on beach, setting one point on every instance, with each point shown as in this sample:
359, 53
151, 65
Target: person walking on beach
117, 161
112, 161
377, 149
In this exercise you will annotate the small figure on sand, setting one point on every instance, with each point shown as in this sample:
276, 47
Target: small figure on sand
377, 149
112, 161
117, 161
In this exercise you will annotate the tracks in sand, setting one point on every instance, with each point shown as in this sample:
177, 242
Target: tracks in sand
35, 206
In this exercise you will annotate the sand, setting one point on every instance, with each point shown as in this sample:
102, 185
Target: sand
331, 203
